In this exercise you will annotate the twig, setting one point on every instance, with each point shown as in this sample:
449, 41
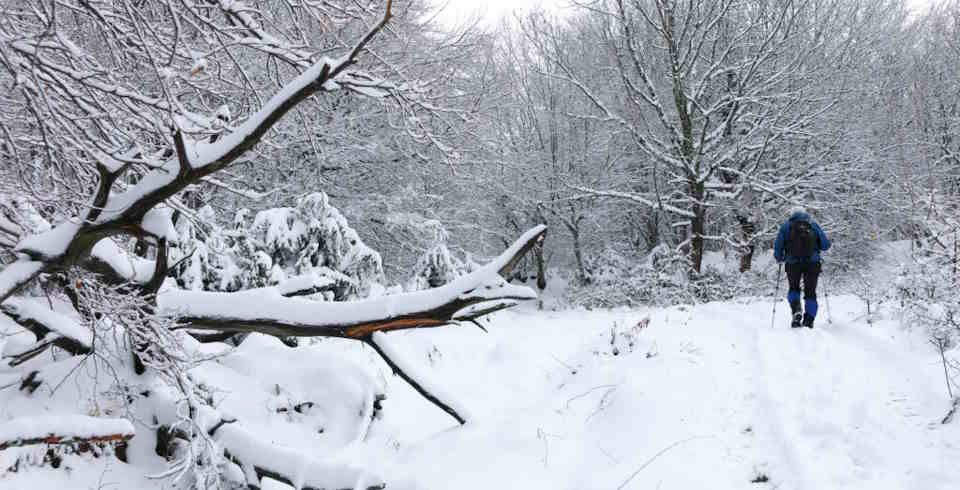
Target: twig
940, 343
591, 390
654, 458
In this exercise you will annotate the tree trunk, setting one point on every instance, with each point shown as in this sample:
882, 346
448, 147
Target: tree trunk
541, 268
578, 254
746, 258
698, 226
747, 229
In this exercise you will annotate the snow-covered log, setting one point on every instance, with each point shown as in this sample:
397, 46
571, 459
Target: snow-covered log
261, 459
63, 429
266, 310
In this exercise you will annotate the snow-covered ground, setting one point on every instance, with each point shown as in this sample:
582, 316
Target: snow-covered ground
708, 396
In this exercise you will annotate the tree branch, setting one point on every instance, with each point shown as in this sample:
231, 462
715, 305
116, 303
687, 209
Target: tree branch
266, 311
159, 269
63, 331
419, 388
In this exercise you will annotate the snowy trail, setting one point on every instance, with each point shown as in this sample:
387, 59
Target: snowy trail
853, 410
708, 397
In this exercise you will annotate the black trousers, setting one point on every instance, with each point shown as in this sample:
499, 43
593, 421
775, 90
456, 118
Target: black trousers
809, 273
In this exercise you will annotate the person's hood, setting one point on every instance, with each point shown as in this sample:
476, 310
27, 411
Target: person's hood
800, 216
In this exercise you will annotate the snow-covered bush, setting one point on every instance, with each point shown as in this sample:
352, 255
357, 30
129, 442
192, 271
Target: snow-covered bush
275, 245
662, 277
927, 290
437, 266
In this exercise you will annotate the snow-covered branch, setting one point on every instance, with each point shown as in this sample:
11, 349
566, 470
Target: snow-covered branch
267, 310
263, 459
50, 328
417, 380
635, 198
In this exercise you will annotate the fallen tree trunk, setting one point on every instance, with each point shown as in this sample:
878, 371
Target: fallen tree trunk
68, 429
267, 311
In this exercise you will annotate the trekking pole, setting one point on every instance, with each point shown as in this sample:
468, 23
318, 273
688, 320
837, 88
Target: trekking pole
826, 296
776, 296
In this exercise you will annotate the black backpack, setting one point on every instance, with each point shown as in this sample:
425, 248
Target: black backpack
802, 240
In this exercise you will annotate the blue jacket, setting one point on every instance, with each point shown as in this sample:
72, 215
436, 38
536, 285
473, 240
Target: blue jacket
778, 251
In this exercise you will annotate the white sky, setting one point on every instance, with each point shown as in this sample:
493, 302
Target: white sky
492, 10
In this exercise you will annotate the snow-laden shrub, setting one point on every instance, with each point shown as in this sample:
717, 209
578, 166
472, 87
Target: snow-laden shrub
437, 266
927, 290
277, 244
660, 278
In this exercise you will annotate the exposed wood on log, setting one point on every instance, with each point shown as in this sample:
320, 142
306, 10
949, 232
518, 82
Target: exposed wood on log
512, 263
56, 439
63, 429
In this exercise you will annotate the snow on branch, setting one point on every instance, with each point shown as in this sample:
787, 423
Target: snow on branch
659, 204
51, 328
18, 274
117, 265
266, 310
63, 429
44, 320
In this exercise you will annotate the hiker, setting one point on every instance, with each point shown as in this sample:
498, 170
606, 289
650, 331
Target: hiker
799, 244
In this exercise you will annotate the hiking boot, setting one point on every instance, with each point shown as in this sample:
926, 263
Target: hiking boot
807, 321
796, 323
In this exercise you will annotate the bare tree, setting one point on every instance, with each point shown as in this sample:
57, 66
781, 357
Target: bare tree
114, 112
711, 94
